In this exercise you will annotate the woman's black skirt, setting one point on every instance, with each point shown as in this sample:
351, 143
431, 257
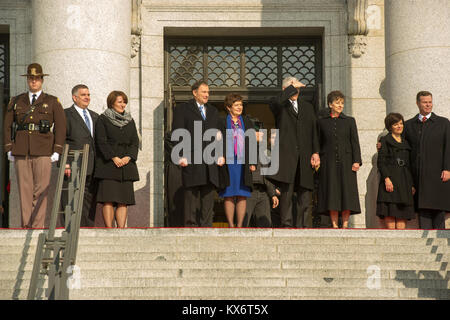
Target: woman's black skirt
396, 210
116, 192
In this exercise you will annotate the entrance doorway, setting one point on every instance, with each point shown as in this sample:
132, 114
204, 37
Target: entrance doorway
252, 67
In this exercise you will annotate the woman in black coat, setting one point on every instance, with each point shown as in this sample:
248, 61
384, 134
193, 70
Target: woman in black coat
340, 156
395, 193
117, 144
236, 177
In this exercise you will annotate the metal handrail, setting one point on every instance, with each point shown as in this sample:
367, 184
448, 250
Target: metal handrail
56, 255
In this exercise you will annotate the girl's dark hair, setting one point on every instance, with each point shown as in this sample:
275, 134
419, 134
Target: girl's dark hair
334, 95
391, 119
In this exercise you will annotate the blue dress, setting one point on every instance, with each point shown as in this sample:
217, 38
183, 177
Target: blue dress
236, 172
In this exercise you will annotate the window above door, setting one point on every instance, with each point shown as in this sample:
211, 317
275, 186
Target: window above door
253, 67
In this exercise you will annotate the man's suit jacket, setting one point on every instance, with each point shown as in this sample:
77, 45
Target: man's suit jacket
184, 117
78, 134
297, 139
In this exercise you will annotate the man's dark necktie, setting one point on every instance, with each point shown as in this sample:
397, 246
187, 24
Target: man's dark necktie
33, 99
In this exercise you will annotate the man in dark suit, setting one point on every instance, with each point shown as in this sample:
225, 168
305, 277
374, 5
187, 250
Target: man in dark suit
80, 131
299, 151
199, 178
429, 138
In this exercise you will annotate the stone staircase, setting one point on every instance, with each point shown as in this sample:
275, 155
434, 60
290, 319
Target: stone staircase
242, 264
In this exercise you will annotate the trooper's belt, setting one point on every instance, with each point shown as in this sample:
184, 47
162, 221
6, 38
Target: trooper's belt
29, 127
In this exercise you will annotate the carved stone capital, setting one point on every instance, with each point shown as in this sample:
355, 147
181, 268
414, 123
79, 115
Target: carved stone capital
135, 45
357, 27
357, 45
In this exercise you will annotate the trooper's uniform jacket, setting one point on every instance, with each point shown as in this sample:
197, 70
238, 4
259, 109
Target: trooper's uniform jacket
29, 141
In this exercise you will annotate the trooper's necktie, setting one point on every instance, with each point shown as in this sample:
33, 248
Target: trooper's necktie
33, 99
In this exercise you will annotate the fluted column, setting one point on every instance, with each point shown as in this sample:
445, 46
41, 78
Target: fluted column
417, 54
83, 41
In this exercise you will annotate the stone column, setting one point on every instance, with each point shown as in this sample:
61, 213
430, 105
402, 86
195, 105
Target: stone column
83, 41
364, 97
417, 54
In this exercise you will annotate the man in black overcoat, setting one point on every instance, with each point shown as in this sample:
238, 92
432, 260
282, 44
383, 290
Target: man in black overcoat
298, 149
429, 138
80, 131
199, 178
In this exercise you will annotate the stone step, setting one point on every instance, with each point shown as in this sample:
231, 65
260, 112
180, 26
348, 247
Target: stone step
237, 293
214, 264
242, 274
224, 248
201, 240
243, 232
86, 283
20, 294
293, 264
267, 292
238, 256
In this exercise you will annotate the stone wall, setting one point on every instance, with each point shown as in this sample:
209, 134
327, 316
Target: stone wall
366, 102
17, 15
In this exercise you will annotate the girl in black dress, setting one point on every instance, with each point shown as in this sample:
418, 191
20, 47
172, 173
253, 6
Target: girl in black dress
117, 144
395, 193
340, 157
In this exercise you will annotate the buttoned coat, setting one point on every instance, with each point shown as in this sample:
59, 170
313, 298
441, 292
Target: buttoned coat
339, 150
430, 155
394, 163
297, 140
184, 117
113, 141
34, 143
78, 134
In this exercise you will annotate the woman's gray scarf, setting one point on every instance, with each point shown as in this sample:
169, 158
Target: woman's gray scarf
117, 119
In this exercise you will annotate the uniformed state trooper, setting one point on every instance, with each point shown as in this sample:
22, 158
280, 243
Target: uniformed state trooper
35, 131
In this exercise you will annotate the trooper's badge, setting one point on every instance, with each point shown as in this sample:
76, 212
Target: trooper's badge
45, 105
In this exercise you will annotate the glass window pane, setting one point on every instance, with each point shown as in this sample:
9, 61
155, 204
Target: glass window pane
186, 65
224, 67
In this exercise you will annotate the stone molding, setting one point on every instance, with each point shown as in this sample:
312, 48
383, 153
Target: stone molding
136, 27
357, 27
242, 5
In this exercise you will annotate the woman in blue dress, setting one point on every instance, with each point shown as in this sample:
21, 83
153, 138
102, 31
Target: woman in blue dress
238, 168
